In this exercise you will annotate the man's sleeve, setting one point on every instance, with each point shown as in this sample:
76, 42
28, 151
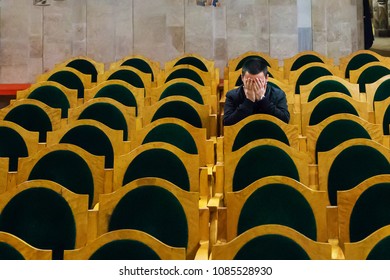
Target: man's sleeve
233, 113
278, 109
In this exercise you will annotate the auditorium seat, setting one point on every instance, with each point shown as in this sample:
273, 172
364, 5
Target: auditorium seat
126, 244
159, 208
45, 215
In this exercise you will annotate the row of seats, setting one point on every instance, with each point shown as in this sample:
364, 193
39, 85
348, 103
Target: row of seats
324, 173
210, 186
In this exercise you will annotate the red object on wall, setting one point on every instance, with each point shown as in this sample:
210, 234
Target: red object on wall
11, 89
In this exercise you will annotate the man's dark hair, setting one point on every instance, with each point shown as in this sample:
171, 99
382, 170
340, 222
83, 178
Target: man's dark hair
254, 66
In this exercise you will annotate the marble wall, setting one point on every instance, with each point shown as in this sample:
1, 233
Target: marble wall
33, 39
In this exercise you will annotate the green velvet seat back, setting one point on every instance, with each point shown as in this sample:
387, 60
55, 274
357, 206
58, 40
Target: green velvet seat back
381, 250
338, 132
382, 92
93, 140
159, 163
371, 75
371, 212
242, 61
271, 247
155, 211
52, 96
119, 93
303, 60
386, 122
107, 114
139, 64
183, 89
127, 76
190, 60
66, 168
12, 146
124, 250
85, 67
263, 161
358, 61
173, 134
354, 165
327, 86
69, 80
309, 75
278, 204
185, 73
7, 252
259, 129
42, 218
329, 107
180, 110
31, 117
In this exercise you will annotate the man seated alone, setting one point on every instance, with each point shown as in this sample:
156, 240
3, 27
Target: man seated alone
255, 96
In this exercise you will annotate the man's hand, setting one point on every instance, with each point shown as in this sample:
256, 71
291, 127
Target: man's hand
255, 89
249, 89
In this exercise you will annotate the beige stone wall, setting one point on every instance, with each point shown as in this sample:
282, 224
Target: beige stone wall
337, 27
33, 39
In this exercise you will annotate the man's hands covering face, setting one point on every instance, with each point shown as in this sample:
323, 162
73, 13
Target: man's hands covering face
254, 88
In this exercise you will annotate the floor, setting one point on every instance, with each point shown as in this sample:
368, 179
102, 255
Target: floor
381, 46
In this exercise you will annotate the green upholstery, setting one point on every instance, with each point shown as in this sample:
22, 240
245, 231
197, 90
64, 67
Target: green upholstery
180, 110
371, 75
309, 75
42, 218
69, 80
242, 61
337, 132
66, 168
84, 66
12, 146
107, 114
190, 60
238, 81
185, 73
120, 94
263, 161
159, 163
327, 86
258, 129
352, 166
32, 118
386, 122
329, 107
278, 204
271, 247
93, 140
370, 212
173, 134
155, 211
127, 76
358, 61
125, 250
139, 64
7, 252
183, 89
381, 250
382, 92
53, 97
305, 59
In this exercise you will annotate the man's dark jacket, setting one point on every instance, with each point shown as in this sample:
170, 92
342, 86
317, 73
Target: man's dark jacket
238, 107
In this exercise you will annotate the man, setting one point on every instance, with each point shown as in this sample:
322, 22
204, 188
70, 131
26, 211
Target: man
255, 96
